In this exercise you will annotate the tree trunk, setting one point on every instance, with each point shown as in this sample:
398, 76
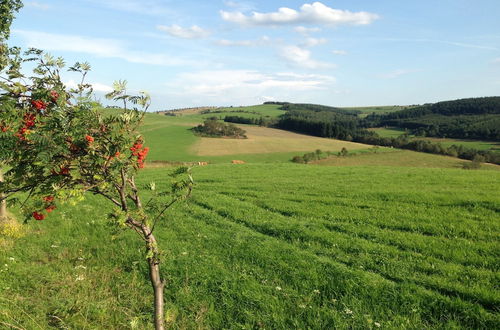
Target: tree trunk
158, 286
3, 203
153, 258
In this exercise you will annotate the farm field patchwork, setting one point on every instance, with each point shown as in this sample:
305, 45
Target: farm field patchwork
277, 247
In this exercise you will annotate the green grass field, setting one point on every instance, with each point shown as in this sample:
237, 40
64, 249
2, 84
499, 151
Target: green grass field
399, 158
278, 247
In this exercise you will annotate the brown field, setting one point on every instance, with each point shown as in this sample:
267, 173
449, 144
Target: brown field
404, 158
269, 140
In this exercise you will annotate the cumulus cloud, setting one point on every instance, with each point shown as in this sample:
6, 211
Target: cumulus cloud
315, 13
301, 57
305, 31
193, 32
339, 52
108, 48
312, 42
263, 41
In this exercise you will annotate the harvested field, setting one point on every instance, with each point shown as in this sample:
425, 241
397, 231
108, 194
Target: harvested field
269, 140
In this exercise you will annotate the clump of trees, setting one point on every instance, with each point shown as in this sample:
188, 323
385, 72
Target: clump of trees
214, 128
261, 121
306, 158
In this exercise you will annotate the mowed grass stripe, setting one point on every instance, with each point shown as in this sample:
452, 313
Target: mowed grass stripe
398, 264
439, 298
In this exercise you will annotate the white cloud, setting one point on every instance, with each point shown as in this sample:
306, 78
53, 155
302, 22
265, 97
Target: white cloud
396, 73
245, 86
305, 31
496, 60
312, 42
37, 5
108, 48
301, 57
97, 87
263, 41
315, 13
339, 52
194, 32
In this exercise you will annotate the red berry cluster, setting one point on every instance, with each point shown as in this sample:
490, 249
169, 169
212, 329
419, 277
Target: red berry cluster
140, 152
49, 207
39, 105
38, 216
89, 139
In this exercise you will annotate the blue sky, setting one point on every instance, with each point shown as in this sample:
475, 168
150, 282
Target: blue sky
228, 52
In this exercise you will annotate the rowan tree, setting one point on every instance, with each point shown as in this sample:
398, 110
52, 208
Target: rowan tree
58, 147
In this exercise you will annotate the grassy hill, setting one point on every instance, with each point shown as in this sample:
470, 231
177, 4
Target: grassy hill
171, 139
278, 247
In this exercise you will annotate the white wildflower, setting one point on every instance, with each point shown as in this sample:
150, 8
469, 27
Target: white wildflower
316, 291
278, 288
80, 278
12, 259
80, 267
377, 324
348, 311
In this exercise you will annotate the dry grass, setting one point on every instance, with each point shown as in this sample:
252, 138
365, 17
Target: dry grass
404, 158
269, 140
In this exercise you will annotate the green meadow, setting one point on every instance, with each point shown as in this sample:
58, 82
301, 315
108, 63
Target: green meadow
382, 238
276, 247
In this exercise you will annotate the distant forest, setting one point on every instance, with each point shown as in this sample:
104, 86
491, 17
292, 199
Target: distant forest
477, 118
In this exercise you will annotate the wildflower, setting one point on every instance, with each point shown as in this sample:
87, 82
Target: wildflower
348, 311
80, 278
377, 324
48, 199
278, 288
316, 291
89, 138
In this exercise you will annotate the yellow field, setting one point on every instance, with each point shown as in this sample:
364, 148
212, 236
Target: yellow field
404, 158
269, 140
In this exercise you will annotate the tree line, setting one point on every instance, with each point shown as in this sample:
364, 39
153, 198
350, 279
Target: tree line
473, 118
349, 127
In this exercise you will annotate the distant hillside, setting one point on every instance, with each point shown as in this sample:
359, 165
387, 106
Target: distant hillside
476, 118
